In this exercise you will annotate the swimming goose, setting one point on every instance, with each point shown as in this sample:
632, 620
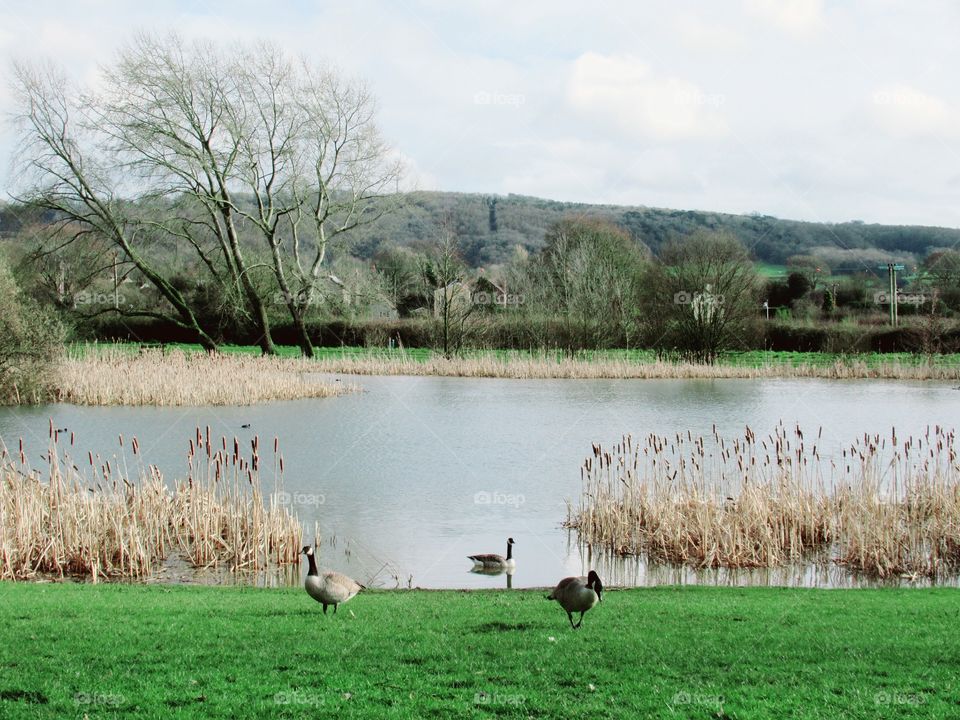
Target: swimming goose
328, 588
492, 561
578, 594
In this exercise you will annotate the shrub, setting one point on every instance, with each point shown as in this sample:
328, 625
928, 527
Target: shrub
30, 341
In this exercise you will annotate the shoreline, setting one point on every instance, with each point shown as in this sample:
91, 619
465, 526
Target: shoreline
176, 375
520, 369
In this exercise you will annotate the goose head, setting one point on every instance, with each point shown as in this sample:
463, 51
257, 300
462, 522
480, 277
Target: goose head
593, 582
307, 550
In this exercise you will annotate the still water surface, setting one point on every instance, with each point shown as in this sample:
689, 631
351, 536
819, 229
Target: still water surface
408, 477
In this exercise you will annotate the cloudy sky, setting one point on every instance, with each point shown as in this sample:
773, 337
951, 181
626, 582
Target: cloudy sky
812, 109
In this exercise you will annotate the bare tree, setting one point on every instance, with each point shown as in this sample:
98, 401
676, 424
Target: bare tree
215, 147
171, 110
445, 274
702, 297
63, 168
318, 169
590, 274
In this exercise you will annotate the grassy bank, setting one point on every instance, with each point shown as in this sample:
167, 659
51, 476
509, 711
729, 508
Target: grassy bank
135, 651
614, 364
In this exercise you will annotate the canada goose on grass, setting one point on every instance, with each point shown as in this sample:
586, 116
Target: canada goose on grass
578, 594
492, 561
328, 588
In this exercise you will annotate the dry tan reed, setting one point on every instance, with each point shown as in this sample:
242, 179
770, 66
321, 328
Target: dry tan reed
110, 521
113, 377
571, 368
884, 507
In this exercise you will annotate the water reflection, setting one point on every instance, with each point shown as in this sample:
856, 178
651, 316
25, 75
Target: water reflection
494, 572
819, 572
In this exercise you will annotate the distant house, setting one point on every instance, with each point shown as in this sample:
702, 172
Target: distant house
381, 309
457, 294
358, 302
488, 293
483, 294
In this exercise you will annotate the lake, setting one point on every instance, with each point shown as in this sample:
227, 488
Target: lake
408, 477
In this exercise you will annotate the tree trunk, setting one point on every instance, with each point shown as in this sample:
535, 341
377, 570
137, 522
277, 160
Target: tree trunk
306, 347
296, 311
173, 296
257, 307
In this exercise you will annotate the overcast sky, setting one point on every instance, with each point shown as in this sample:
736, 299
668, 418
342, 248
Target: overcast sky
808, 109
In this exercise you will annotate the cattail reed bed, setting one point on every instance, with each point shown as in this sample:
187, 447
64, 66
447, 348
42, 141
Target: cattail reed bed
882, 506
105, 519
112, 377
587, 369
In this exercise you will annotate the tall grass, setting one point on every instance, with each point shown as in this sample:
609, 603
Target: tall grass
885, 507
111, 376
549, 366
109, 520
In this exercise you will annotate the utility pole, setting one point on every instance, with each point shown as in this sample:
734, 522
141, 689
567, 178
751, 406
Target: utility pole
892, 269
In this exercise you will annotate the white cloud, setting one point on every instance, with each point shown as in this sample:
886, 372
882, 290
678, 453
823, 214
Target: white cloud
414, 177
798, 17
624, 91
905, 111
698, 34
697, 105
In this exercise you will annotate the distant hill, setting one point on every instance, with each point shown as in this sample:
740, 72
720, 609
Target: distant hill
491, 226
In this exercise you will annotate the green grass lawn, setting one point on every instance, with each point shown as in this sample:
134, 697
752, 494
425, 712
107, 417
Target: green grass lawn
769, 270
153, 651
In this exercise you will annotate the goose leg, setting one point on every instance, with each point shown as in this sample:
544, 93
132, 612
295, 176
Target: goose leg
581, 620
335, 606
570, 616
324, 608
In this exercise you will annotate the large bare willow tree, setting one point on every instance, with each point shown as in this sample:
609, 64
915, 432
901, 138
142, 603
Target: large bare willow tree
64, 168
256, 162
316, 167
